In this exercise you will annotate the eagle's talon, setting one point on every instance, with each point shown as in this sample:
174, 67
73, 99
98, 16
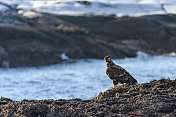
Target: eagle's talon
115, 86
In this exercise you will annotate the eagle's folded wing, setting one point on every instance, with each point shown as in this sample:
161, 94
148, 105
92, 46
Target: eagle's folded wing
121, 74
119, 70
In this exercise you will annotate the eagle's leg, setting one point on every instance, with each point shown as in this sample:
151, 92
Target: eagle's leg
115, 83
115, 86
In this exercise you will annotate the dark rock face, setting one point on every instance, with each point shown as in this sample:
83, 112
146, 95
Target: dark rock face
42, 39
4, 62
153, 99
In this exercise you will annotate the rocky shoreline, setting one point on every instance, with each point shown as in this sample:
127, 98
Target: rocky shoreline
154, 99
42, 39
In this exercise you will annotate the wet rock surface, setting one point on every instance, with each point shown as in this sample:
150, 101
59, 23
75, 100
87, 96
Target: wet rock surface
42, 38
153, 99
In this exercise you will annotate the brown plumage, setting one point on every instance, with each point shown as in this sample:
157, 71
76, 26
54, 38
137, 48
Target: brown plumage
117, 73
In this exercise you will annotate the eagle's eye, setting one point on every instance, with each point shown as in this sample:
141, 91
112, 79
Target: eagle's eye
107, 59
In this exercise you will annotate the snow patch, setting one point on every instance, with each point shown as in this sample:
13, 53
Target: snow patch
29, 14
96, 7
148, 1
64, 56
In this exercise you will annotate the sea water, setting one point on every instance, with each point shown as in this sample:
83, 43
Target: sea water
83, 78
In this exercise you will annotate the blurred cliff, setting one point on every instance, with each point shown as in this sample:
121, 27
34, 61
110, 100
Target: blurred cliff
30, 37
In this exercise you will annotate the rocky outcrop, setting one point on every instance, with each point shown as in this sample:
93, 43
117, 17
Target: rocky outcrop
41, 39
4, 61
155, 99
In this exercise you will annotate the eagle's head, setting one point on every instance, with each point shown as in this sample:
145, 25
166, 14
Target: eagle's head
107, 58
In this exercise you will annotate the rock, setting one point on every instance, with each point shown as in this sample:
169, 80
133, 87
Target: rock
113, 102
3, 52
84, 2
42, 38
4, 58
5, 64
166, 108
122, 95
